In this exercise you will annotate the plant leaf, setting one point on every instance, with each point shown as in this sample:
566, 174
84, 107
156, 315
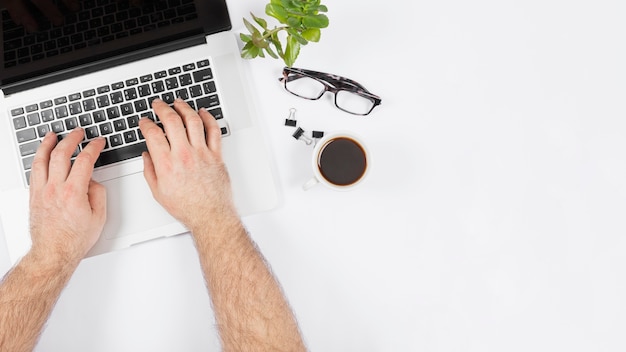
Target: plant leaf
277, 11
291, 51
249, 51
312, 34
315, 21
244, 37
260, 21
251, 28
297, 36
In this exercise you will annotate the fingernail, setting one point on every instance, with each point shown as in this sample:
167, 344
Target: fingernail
179, 100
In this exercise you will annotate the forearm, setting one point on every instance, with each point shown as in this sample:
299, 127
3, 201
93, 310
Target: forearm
27, 295
251, 311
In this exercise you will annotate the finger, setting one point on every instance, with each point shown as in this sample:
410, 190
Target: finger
149, 173
193, 123
157, 144
60, 156
41, 161
48, 8
172, 122
213, 131
82, 170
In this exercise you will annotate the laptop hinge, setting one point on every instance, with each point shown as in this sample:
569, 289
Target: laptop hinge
11, 88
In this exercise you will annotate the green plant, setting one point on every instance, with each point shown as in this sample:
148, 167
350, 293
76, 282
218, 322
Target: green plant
302, 21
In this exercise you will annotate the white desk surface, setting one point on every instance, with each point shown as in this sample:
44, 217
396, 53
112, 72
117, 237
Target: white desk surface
493, 216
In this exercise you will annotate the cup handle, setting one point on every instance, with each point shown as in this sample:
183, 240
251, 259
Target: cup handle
312, 182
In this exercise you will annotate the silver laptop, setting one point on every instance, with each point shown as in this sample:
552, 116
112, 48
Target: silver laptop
100, 70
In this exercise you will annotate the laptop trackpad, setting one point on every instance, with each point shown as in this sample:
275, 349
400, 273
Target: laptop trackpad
131, 209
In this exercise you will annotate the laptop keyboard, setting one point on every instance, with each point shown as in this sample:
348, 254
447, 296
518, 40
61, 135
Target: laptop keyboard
113, 112
97, 22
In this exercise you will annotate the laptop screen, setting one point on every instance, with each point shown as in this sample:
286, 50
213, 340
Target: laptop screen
85, 34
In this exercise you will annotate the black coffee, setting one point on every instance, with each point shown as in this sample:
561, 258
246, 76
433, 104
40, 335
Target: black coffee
342, 161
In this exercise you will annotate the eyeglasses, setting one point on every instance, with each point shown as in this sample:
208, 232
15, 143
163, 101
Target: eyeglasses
350, 96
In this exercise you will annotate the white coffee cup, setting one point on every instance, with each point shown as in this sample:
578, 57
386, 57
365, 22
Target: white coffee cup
340, 161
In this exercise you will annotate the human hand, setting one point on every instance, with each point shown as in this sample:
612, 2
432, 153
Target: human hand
21, 14
184, 166
67, 208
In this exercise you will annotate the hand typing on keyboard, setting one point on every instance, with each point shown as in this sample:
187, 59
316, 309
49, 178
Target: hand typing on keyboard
184, 166
68, 209
21, 11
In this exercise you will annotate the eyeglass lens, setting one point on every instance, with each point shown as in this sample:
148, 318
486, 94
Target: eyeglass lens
309, 88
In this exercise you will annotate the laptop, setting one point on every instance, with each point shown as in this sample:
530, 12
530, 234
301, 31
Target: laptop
100, 70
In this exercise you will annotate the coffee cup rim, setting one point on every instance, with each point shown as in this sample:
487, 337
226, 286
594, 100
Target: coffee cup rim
323, 141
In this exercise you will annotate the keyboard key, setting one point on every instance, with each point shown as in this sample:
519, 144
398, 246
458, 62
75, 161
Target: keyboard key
217, 113
71, 123
168, 98
160, 74
19, 122
123, 153
132, 82
75, 108
104, 89
209, 87
91, 132
208, 102
89, 104
18, 111
75, 96
185, 80
195, 91
141, 105
146, 78
46, 104
28, 162
119, 125
106, 128
117, 97
60, 100
130, 136
116, 140
89, 93
61, 112
171, 83
133, 121
144, 90
130, 94
26, 135
113, 112
202, 75
127, 109
47, 115
31, 108
103, 101
57, 126
42, 130
182, 93
99, 116
29, 148
158, 87
84, 120
118, 85
203, 63
33, 119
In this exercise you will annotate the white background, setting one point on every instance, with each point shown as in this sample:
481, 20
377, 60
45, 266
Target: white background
493, 216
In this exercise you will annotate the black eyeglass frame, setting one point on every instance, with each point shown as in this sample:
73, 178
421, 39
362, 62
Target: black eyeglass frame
332, 83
